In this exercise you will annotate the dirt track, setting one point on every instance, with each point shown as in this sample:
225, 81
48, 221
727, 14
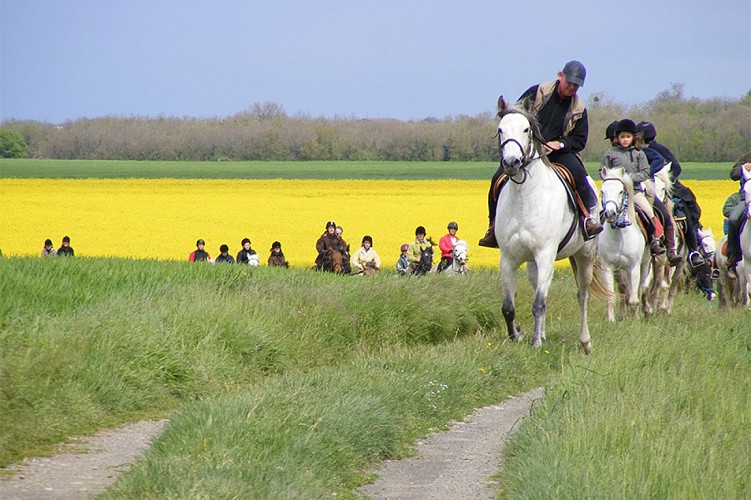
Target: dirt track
455, 464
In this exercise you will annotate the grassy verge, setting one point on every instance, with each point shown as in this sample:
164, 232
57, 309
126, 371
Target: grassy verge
115, 169
663, 410
295, 384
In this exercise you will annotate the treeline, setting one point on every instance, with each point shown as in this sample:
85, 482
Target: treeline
694, 129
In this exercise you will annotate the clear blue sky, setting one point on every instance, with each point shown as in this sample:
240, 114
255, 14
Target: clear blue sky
406, 59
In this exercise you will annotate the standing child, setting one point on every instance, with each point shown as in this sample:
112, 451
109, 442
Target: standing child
66, 250
247, 255
224, 255
277, 259
403, 262
199, 254
49, 249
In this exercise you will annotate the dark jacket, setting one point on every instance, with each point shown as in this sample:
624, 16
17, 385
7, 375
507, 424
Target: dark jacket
198, 256
225, 258
329, 243
277, 260
247, 257
656, 161
675, 166
66, 251
560, 119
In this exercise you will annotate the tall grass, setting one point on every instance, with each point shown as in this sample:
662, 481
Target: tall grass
290, 383
663, 410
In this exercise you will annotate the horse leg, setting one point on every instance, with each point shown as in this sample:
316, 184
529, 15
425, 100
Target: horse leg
584, 271
542, 270
634, 283
532, 278
608, 282
508, 282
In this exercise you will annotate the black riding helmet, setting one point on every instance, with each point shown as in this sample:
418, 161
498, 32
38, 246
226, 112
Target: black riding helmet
647, 129
610, 131
453, 225
419, 230
368, 239
625, 125
330, 224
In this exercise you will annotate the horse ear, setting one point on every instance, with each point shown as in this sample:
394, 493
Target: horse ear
501, 105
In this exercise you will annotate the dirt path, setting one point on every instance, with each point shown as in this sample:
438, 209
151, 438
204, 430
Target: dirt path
455, 464
458, 463
84, 471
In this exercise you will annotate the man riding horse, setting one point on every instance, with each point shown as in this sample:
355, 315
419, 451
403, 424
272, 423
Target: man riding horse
562, 118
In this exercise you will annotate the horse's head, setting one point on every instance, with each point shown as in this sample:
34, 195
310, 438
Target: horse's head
616, 190
519, 138
460, 252
426, 261
706, 241
664, 183
746, 174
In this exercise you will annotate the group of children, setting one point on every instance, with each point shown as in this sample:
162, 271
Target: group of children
65, 249
246, 256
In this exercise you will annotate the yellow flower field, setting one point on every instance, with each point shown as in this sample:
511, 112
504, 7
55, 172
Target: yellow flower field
161, 219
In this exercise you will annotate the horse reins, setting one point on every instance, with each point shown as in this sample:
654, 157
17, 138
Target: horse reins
526, 158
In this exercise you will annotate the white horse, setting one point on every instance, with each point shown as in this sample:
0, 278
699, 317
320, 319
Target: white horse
744, 266
458, 265
536, 224
622, 250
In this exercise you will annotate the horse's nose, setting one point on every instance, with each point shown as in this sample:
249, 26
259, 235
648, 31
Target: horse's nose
511, 164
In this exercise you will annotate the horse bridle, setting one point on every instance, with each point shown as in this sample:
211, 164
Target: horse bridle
527, 155
619, 207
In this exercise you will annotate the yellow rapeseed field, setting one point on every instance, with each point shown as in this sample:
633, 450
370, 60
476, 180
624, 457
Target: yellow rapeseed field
161, 219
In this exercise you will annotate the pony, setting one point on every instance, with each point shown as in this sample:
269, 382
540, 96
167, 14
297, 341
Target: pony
458, 265
623, 249
744, 266
537, 224
425, 264
332, 262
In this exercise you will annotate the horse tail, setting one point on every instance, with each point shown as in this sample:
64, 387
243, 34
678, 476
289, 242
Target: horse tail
597, 286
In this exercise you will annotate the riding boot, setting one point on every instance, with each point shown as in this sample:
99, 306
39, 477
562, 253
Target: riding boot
489, 239
673, 256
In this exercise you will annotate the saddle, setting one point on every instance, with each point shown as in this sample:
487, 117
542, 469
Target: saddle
569, 183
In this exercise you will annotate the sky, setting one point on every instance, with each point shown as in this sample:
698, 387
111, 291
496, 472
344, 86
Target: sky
406, 59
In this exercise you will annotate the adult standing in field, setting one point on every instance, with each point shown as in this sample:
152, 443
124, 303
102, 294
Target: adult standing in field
49, 249
420, 253
247, 255
737, 214
224, 255
199, 254
562, 118
277, 258
66, 250
330, 247
446, 245
366, 260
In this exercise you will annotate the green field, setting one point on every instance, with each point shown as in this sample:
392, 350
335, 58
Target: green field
81, 169
295, 384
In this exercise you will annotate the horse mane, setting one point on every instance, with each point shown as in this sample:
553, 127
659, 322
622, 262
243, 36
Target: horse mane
667, 179
537, 137
620, 174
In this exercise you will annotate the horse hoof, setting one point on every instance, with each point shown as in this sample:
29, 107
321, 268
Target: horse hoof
710, 296
587, 346
536, 344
